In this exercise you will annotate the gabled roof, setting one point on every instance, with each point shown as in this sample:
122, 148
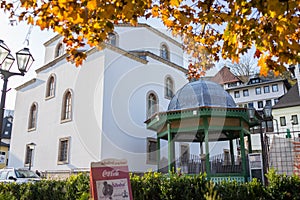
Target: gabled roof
225, 76
290, 99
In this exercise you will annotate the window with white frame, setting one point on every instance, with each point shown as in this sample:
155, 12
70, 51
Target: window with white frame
269, 102
151, 151
28, 155
59, 50
236, 94
275, 88
169, 88
66, 113
63, 150
32, 117
282, 121
112, 39
245, 93
294, 120
258, 90
260, 104
152, 104
266, 89
250, 105
50, 89
164, 52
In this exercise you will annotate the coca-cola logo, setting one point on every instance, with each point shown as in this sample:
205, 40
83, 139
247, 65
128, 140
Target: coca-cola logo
110, 173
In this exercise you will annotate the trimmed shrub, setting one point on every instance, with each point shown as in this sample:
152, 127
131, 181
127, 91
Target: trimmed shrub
283, 186
157, 186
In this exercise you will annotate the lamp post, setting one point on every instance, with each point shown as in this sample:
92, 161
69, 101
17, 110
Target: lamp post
24, 61
265, 117
31, 147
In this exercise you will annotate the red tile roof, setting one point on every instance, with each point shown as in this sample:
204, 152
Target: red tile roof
225, 76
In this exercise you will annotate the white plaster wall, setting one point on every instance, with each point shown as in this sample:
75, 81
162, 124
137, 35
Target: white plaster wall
132, 38
287, 113
84, 129
140, 38
50, 50
126, 86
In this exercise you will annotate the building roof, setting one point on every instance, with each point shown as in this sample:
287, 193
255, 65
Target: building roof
291, 98
225, 76
260, 84
201, 93
154, 30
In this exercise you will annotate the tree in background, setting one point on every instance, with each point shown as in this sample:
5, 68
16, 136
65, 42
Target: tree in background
246, 67
210, 29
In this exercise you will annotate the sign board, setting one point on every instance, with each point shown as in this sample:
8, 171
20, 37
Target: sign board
256, 166
109, 180
296, 158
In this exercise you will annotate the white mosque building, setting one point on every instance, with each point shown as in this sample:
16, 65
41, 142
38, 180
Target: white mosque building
77, 115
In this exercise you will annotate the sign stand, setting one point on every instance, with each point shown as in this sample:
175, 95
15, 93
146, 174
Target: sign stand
256, 166
109, 180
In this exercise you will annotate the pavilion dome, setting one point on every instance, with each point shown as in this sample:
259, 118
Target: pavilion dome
201, 93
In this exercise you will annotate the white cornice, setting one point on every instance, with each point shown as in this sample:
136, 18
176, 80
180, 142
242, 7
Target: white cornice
25, 84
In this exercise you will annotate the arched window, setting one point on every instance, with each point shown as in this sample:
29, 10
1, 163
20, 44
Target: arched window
32, 117
164, 52
112, 39
50, 89
152, 104
59, 50
66, 113
169, 88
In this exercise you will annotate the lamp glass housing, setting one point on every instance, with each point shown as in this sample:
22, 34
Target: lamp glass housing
4, 51
8, 62
251, 113
267, 111
24, 60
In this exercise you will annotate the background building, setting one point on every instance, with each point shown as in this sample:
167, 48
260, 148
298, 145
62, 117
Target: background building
6, 137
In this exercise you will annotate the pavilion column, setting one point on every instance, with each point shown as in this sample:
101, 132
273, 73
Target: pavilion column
231, 151
206, 140
243, 155
158, 154
171, 149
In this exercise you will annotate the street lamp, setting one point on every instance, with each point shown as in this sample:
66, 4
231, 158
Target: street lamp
24, 61
31, 147
264, 117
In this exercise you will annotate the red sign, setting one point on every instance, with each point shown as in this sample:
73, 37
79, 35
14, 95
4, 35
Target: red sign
109, 180
297, 158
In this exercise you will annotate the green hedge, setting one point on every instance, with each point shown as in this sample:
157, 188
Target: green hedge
76, 187
155, 186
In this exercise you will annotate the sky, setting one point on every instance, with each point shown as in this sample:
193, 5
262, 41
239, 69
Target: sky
14, 37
